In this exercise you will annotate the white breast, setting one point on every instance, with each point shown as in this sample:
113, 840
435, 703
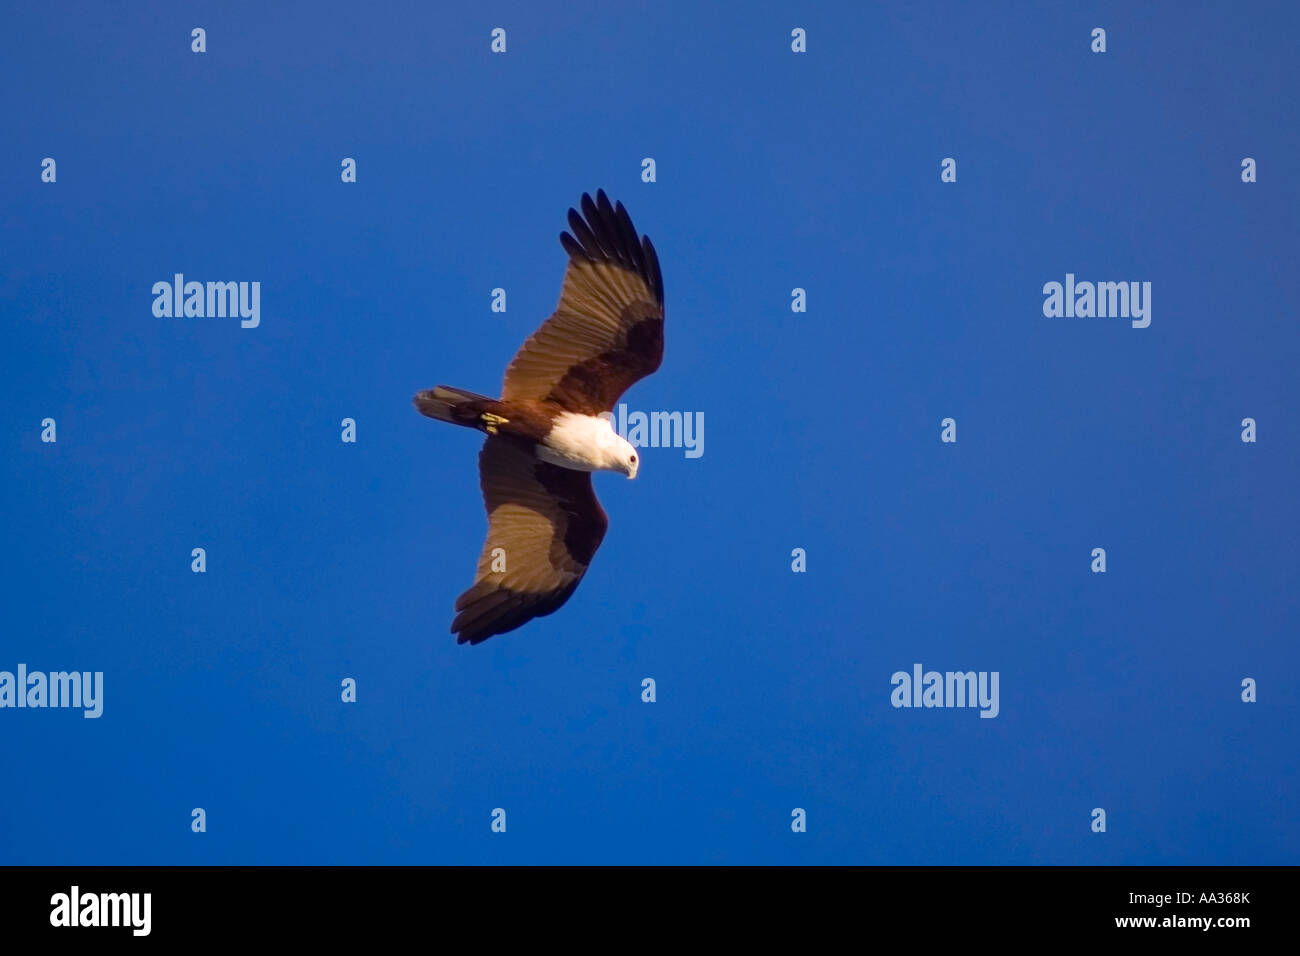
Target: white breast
580, 442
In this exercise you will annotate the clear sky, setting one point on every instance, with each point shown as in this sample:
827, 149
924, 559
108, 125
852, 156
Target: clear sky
775, 170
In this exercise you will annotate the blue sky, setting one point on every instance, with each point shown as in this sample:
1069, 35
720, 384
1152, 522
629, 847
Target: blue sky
775, 170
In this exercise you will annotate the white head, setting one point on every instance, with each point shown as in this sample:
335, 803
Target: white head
630, 461
620, 454
588, 443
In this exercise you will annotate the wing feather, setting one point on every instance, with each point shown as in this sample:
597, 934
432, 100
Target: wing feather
546, 522
607, 330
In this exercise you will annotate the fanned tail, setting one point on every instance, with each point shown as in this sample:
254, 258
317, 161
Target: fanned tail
455, 405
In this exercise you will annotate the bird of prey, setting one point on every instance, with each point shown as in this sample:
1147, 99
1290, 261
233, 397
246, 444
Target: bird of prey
546, 433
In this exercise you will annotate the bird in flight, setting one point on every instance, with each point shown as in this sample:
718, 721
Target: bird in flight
546, 434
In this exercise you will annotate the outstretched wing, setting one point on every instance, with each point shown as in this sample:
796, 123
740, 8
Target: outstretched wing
608, 329
544, 525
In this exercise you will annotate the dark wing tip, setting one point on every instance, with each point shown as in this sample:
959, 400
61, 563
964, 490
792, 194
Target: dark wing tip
652, 275
589, 210
488, 612
603, 232
572, 246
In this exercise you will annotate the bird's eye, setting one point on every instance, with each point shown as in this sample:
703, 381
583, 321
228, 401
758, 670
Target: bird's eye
634, 459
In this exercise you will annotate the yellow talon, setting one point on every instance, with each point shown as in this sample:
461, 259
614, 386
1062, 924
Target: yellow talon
494, 419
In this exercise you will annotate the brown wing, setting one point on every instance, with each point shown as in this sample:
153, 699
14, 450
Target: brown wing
608, 330
546, 522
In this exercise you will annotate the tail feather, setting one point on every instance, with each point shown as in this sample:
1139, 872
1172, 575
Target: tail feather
455, 405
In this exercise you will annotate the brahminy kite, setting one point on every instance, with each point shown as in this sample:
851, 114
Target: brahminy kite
547, 434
